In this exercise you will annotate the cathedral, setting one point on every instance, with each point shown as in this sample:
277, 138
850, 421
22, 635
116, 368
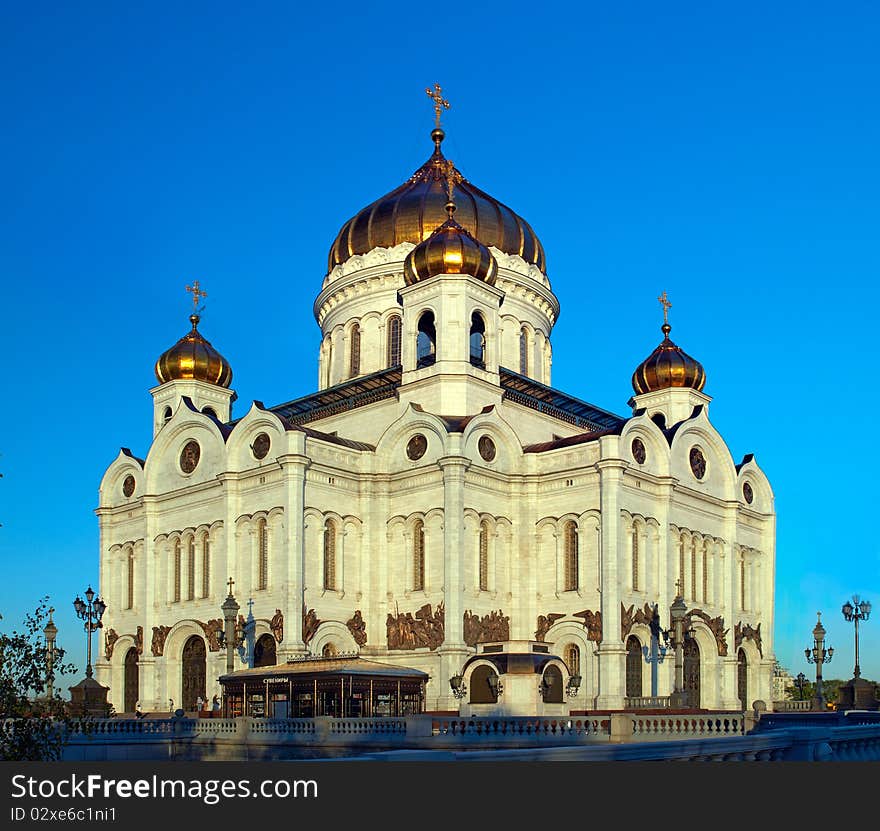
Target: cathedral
436, 500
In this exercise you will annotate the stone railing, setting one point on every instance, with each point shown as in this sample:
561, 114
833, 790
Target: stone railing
627, 727
647, 702
518, 728
792, 706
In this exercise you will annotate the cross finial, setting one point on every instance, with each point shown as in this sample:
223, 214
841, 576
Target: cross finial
251, 607
664, 302
197, 294
231, 583
678, 587
436, 95
818, 617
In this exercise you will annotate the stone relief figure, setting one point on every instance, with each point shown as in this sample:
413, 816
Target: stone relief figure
110, 638
492, 627
544, 624
358, 628
746, 632
426, 629
592, 623
277, 625
628, 618
139, 640
159, 634
210, 628
311, 622
716, 626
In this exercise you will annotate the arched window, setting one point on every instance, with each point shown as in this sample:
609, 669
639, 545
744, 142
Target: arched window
166, 417
570, 538
129, 594
478, 340
264, 651
742, 583
419, 556
191, 569
523, 351
206, 566
262, 554
694, 569
329, 556
635, 557
633, 667
209, 411
572, 656
705, 571
176, 569
742, 679
354, 355
426, 341
393, 340
681, 545
484, 557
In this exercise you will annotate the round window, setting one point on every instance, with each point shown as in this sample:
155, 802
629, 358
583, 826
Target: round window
128, 485
416, 447
189, 456
748, 493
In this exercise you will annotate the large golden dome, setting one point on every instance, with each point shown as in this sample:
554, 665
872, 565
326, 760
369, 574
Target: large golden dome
193, 358
668, 366
449, 250
411, 212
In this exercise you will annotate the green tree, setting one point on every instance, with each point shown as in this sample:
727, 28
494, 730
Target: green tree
32, 725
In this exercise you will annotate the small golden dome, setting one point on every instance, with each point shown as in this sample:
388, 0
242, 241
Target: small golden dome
450, 250
668, 366
193, 357
412, 211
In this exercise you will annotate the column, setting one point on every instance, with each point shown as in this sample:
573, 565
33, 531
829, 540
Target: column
611, 651
294, 466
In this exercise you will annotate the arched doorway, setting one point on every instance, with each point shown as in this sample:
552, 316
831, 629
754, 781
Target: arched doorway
481, 692
264, 651
633, 667
193, 672
131, 681
552, 685
692, 671
742, 679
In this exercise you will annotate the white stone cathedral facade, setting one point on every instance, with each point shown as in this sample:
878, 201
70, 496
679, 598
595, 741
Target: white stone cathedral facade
437, 491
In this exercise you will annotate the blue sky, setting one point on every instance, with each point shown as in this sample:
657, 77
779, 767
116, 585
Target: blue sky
724, 153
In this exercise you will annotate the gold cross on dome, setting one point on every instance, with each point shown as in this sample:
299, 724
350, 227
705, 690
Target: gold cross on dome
436, 95
664, 302
231, 583
197, 294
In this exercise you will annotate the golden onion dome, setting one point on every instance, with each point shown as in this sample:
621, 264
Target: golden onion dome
450, 250
411, 212
668, 366
193, 358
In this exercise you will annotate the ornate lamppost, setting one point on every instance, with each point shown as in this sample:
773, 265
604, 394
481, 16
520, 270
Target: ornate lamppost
50, 632
800, 682
819, 655
229, 636
678, 613
655, 655
857, 693
90, 610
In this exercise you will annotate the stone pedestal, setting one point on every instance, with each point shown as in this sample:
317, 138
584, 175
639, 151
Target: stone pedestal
857, 694
89, 698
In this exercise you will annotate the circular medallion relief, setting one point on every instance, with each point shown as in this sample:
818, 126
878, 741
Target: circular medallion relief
189, 456
260, 447
698, 462
748, 493
416, 447
487, 448
638, 451
128, 485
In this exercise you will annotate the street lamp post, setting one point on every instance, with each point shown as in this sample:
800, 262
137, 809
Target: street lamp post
678, 612
857, 693
800, 682
655, 655
90, 610
819, 655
